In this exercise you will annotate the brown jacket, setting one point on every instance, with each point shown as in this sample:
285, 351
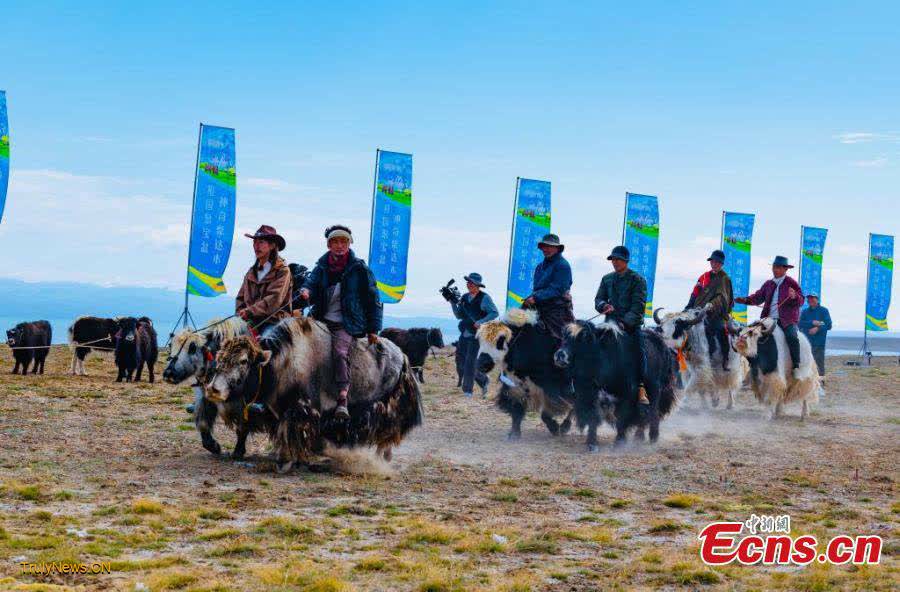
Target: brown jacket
264, 298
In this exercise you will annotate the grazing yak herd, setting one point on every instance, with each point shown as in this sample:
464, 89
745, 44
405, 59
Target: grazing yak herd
280, 384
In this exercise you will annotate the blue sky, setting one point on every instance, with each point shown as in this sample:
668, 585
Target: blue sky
786, 111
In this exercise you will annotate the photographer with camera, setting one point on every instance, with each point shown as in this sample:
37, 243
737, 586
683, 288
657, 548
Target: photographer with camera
473, 309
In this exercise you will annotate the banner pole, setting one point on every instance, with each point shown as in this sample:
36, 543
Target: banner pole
865, 347
625, 218
186, 312
374, 194
512, 237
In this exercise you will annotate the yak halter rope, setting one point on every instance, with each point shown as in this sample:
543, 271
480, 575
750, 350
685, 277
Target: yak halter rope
255, 397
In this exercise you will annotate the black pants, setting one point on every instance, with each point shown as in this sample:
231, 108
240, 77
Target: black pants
818, 352
640, 357
715, 335
471, 374
793, 341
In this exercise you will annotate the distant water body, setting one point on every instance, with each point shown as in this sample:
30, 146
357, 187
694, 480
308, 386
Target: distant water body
840, 343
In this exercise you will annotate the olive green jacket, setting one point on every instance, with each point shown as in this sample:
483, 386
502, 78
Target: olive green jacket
628, 295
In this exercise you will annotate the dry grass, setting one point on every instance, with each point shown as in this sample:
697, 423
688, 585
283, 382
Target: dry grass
96, 471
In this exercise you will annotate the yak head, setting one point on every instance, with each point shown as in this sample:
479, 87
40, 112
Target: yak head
674, 326
752, 335
495, 337
236, 362
594, 345
188, 356
15, 336
126, 329
435, 338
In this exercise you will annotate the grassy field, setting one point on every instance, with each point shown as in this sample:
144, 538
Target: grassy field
92, 471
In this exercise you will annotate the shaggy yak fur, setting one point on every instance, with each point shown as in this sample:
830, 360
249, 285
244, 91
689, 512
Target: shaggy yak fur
192, 355
523, 350
415, 343
33, 340
771, 372
686, 331
290, 373
602, 362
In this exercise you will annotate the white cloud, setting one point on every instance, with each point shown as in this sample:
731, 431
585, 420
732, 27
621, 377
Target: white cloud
865, 137
269, 184
873, 163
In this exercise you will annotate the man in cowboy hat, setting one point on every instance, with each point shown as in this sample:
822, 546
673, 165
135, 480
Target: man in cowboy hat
622, 297
265, 294
550, 288
342, 292
781, 298
713, 289
815, 323
473, 310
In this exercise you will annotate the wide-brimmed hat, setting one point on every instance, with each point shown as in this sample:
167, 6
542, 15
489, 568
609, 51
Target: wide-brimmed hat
475, 278
269, 233
717, 255
551, 240
338, 231
620, 252
781, 261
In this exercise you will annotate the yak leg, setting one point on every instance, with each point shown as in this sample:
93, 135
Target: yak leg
803, 411
137, 374
776, 413
16, 367
72, 370
121, 375
551, 423
385, 451
34, 369
205, 419
240, 448
567, 423
515, 430
151, 376
730, 399
621, 427
591, 441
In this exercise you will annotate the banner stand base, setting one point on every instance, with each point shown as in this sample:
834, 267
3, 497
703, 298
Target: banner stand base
184, 319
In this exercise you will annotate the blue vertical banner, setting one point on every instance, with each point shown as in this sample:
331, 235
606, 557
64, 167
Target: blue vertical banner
531, 221
812, 247
640, 234
391, 219
737, 238
4, 152
878, 285
212, 223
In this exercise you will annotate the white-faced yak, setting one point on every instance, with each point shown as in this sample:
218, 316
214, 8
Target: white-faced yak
771, 372
602, 363
530, 380
685, 333
288, 377
30, 341
192, 355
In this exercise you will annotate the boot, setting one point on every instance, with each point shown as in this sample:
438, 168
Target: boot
341, 411
642, 396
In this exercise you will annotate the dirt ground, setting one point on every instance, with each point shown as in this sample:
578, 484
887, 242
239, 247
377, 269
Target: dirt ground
93, 471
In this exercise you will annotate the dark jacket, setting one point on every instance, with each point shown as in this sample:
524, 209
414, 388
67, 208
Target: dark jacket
361, 306
713, 289
628, 295
810, 314
789, 312
552, 279
269, 298
470, 310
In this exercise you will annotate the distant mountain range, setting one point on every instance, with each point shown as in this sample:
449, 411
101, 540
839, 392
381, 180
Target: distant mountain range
62, 302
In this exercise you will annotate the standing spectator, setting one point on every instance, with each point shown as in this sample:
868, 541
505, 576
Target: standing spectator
815, 323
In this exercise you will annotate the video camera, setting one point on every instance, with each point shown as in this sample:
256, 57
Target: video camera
451, 293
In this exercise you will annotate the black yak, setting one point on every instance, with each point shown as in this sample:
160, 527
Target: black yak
604, 370
30, 341
415, 343
93, 332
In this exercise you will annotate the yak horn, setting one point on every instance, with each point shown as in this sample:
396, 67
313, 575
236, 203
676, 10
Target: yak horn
656, 315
